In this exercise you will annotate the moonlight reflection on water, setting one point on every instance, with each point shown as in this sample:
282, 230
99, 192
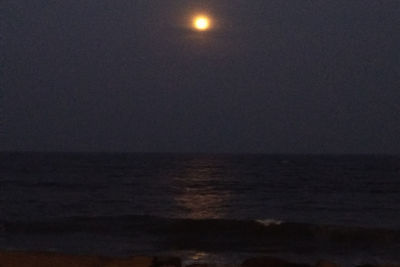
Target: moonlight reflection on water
198, 196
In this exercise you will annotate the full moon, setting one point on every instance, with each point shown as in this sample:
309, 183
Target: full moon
201, 23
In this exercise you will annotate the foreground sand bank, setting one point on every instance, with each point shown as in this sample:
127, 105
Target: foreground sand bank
47, 259
44, 259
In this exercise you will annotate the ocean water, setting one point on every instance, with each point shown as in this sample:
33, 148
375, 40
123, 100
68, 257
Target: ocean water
203, 208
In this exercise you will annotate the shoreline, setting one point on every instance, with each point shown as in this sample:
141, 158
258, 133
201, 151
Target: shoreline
56, 259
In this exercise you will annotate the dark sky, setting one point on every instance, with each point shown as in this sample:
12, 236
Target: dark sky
272, 76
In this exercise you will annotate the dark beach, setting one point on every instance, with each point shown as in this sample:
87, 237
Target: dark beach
42, 259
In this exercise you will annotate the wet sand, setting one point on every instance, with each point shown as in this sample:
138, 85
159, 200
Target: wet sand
44, 259
48, 259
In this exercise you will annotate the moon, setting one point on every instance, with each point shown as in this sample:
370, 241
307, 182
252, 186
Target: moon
201, 23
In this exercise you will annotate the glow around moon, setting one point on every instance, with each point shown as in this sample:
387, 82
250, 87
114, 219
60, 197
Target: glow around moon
201, 23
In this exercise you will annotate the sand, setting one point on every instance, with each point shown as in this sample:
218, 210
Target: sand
47, 259
42, 259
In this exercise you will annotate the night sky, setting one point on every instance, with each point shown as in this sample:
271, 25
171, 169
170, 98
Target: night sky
270, 76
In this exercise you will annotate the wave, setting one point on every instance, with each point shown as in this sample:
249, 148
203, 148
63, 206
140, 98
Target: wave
260, 231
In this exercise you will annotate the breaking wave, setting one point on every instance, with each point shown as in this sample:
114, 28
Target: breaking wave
252, 233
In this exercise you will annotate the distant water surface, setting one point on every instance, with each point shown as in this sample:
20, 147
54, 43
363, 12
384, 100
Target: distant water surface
204, 207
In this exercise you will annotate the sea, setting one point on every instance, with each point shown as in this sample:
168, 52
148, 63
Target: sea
219, 208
